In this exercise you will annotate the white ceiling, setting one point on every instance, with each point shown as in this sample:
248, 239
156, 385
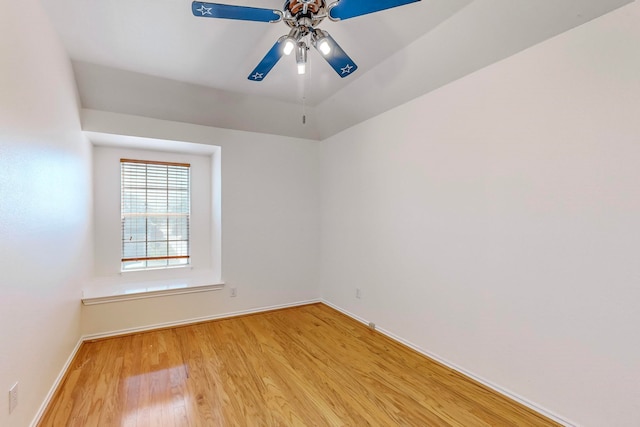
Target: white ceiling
155, 59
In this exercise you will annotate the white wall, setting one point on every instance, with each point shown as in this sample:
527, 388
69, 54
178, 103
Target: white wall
45, 207
270, 224
494, 222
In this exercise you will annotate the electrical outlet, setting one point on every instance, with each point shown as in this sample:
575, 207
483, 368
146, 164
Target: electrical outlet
234, 292
13, 397
358, 293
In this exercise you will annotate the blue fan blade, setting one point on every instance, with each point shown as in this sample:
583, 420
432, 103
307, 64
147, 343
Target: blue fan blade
338, 59
346, 9
270, 59
215, 10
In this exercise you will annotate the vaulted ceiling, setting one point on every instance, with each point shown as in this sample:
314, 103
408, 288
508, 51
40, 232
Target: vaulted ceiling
155, 59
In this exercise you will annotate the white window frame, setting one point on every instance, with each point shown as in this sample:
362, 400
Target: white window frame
153, 194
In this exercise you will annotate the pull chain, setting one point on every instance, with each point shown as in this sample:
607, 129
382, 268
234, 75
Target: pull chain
304, 95
304, 116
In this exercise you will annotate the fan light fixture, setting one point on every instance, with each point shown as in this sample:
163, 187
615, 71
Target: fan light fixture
288, 47
303, 18
291, 40
324, 48
321, 41
301, 58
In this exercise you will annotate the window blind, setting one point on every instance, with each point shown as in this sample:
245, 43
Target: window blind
155, 210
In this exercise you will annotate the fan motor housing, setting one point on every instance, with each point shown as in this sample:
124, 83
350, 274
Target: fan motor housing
304, 11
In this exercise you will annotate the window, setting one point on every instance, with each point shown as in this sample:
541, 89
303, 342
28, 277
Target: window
155, 210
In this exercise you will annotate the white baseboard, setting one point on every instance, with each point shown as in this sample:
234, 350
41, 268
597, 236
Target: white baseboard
513, 396
195, 320
55, 385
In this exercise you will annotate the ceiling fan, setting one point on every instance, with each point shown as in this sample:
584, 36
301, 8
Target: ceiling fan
303, 18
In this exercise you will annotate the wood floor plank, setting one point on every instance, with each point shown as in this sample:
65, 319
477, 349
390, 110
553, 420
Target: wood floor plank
304, 366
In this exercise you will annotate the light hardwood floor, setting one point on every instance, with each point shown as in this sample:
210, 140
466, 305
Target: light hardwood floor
303, 366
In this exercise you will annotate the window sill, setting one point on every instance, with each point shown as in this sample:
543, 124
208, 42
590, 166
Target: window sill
142, 290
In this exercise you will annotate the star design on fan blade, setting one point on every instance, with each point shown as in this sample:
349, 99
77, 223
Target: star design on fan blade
204, 10
257, 76
346, 69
